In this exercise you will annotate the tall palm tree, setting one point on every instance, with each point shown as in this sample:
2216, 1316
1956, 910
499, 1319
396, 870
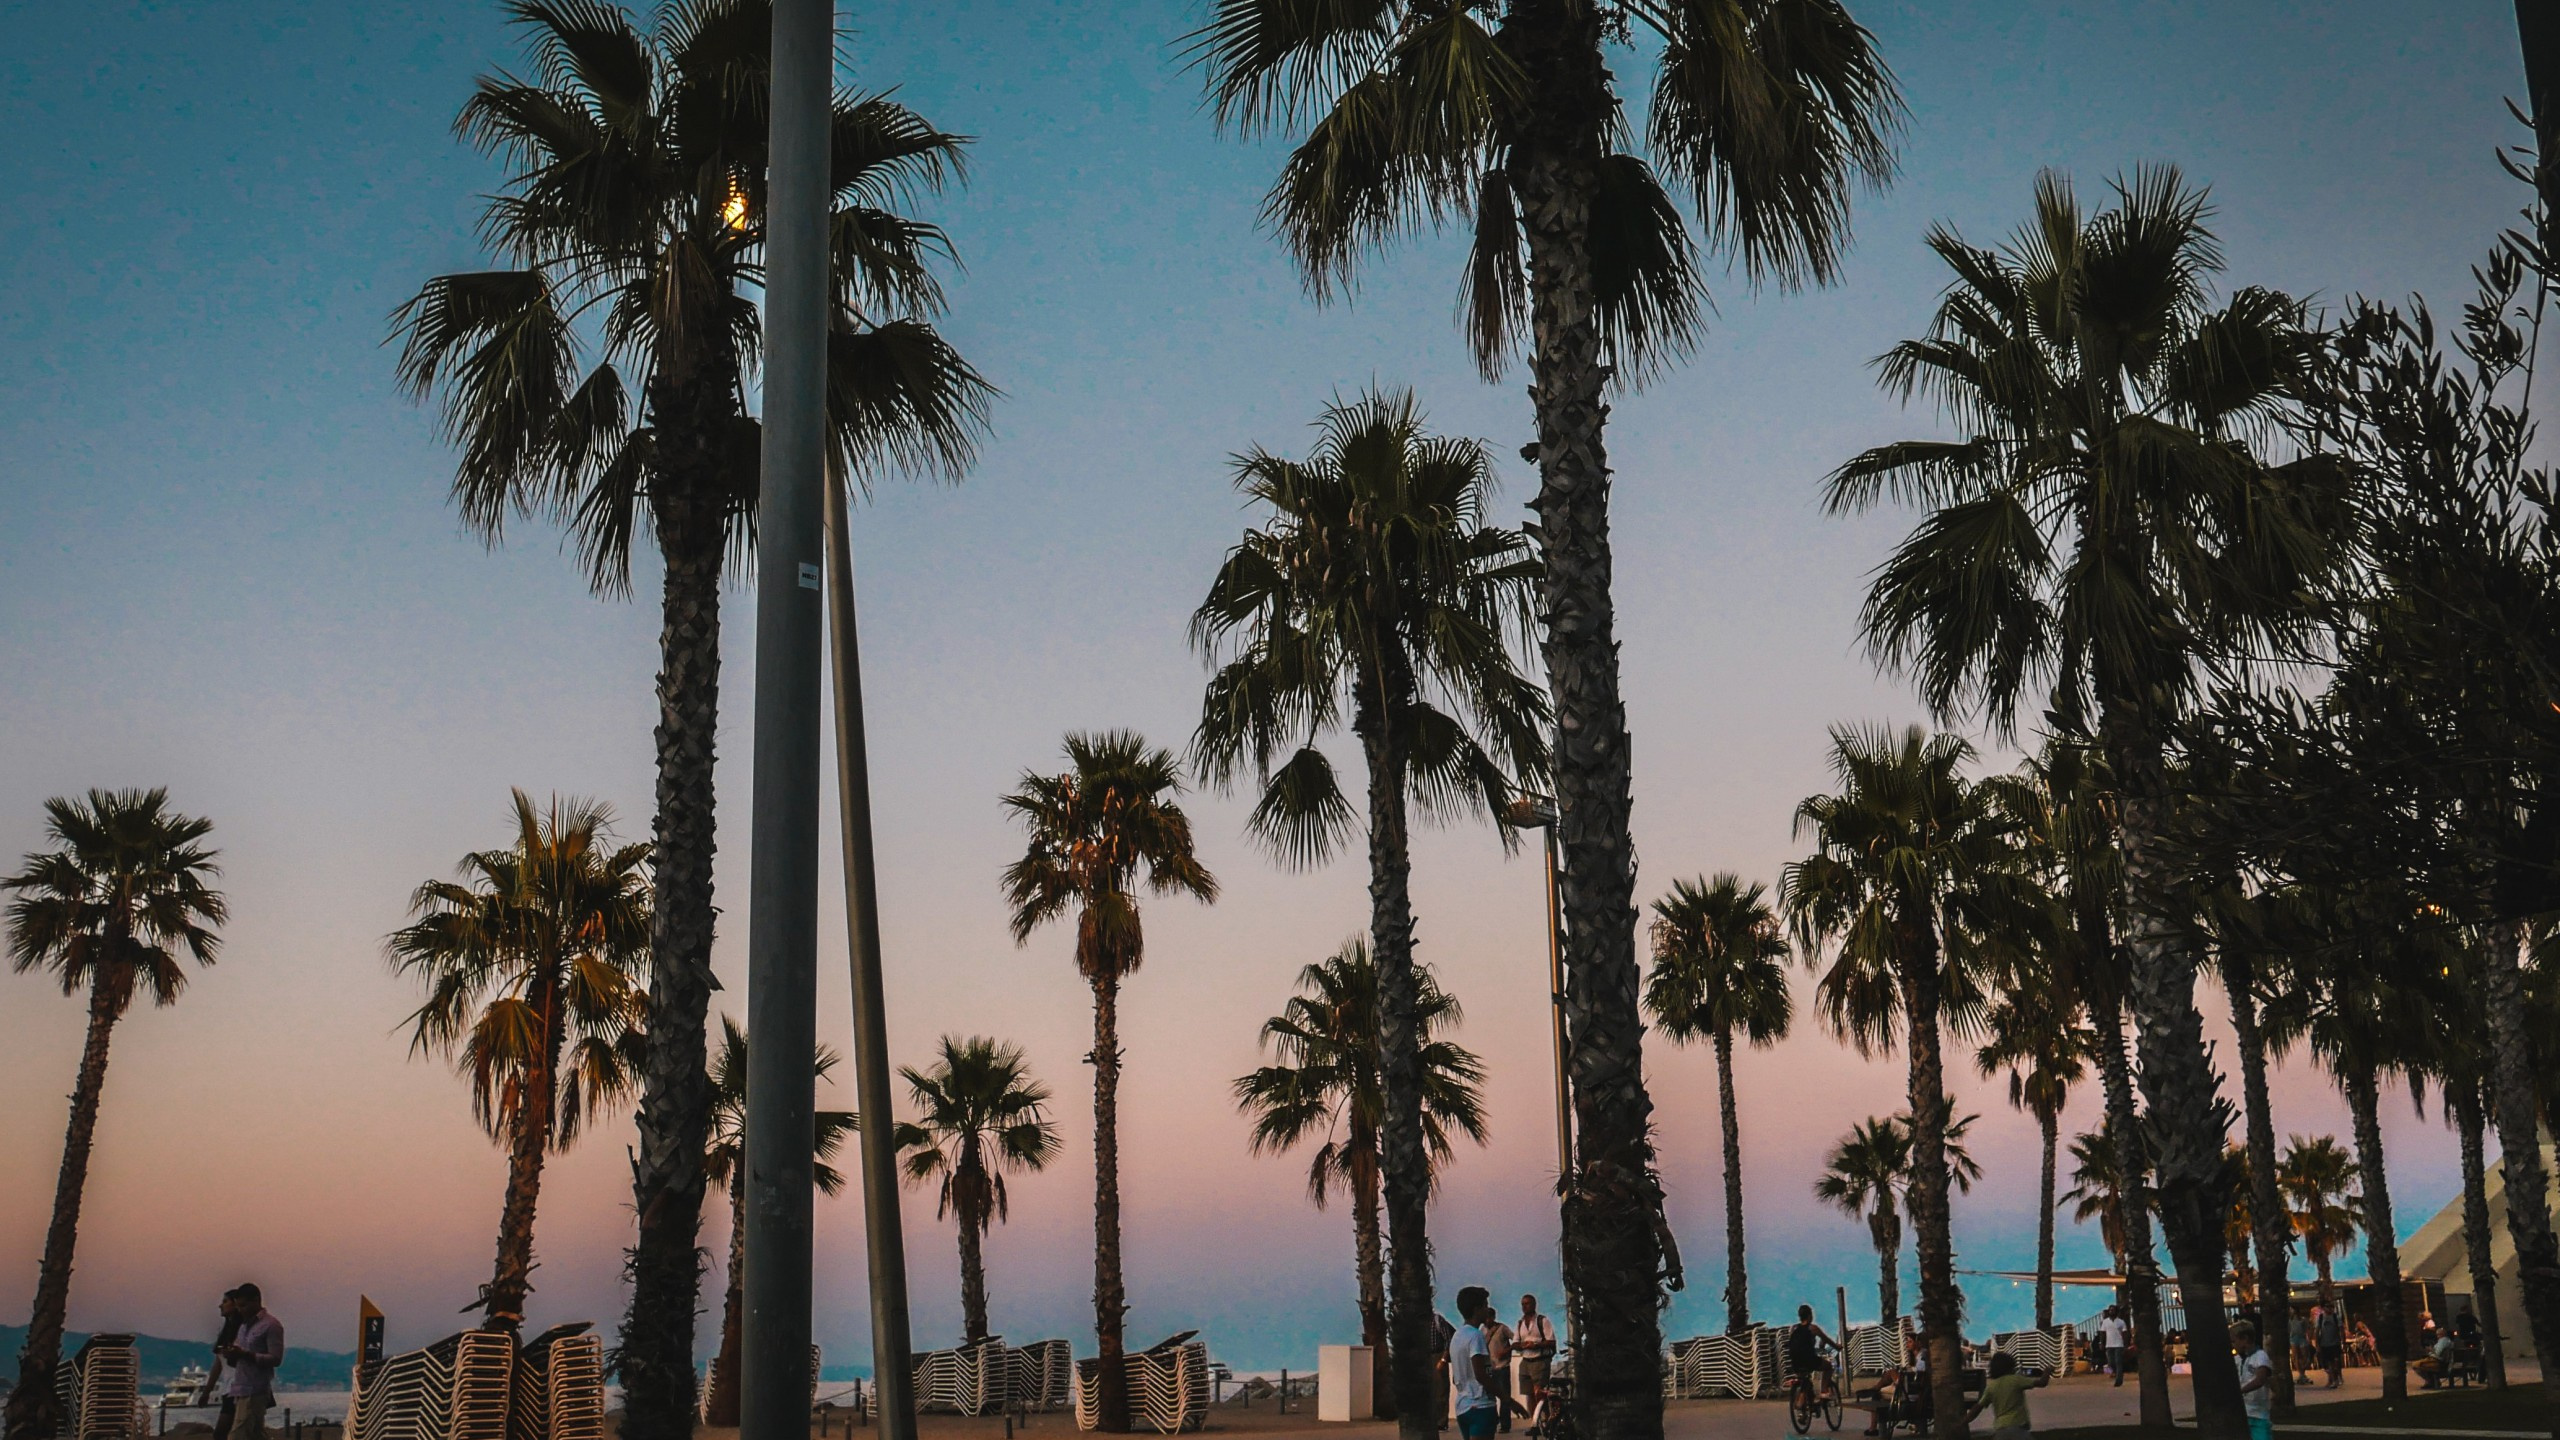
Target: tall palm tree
1865, 1177
1091, 830
979, 1114
600, 377
1719, 969
2358, 1024
1506, 116
2318, 1178
2102, 522
724, 1166
1376, 587
2037, 1037
531, 962
1328, 1080
2064, 801
1918, 877
2251, 967
112, 906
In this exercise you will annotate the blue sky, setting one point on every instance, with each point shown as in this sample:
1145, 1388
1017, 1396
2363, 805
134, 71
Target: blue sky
226, 564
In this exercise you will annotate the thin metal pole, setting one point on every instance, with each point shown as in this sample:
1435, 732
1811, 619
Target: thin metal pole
892, 1368
1564, 1087
782, 875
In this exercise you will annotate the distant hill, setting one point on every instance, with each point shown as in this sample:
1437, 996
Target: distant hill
163, 1358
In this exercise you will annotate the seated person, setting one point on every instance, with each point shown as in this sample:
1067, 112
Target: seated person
2435, 1367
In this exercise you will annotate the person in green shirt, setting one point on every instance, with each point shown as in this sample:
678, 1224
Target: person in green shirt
2005, 1396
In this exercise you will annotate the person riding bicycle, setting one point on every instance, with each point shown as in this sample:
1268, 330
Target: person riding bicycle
1806, 1342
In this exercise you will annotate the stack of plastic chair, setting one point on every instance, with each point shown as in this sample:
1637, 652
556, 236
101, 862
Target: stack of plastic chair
1043, 1375
559, 1387
2043, 1350
1168, 1388
1874, 1349
938, 1381
1684, 1373
100, 1390
459, 1388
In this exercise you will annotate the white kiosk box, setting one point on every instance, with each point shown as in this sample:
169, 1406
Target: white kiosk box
1346, 1377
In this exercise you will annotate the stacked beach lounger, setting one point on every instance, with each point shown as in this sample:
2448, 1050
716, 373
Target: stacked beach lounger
2043, 1350
1044, 1374
479, 1386
1745, 1366
1168, 1388
100, 1389
1873, 1349
991, 1376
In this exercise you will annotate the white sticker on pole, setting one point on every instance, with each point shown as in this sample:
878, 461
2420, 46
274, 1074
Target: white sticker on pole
808, 576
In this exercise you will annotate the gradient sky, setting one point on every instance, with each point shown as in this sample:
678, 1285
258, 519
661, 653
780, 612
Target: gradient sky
227, 566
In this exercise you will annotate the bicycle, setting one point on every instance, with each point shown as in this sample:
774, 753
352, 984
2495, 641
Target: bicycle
1806, 1400
1551, 1414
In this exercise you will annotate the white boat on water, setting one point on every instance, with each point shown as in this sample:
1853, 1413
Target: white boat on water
182, 1391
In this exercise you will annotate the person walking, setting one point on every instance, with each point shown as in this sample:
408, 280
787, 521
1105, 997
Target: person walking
231, 1318
254, 1355
2257, 1380
2298, 1354
2331, 1337
2111, 1336
1498, 1348
1534, 1341
1470, 1368
2005, 1396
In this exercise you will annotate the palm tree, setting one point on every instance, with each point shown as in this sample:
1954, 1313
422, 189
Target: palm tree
1865, 1178
1917, 876
979, 1115
1504, 116
2318, 1179
629, 236
1376, 583
1091, 830
2358, 1024
531, 964
2037, 1037
724, 1166
2251, 966
2098, 1190
1328, 1080
110, 907
1719, 968
2100, 525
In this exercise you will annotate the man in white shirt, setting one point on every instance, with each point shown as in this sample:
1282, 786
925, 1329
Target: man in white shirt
1534, 1341
1471, 1369
2257, 1380
2111, 1339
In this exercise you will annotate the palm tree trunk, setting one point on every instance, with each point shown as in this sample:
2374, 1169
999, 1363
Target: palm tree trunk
1369, 1259
1941, 1316
1386, 689
2468, 1119
34, 1410
720, 1407
1737, 1277
2520, 1152
2176, 1080
529, 1140
2268, 1223
1888, 1237
1614, 1255
973, 1279
674, 1119
1110, 1295
2381, 1241
2050, 1123
2133, 1162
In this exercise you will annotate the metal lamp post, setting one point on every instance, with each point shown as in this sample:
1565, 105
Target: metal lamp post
1532, 812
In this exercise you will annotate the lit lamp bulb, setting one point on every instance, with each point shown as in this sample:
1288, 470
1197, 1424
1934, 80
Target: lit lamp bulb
733, 211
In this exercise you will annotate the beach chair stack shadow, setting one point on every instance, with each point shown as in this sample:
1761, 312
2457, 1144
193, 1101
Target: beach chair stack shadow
1168, 1387
100, 1390
479, 1385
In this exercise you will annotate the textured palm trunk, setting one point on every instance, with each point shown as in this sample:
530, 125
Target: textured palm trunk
2133, 1162
529, 1140
2178, 1083
2381, 1241
1941, 1311
1369, 1260
2471, 1123
1110, 1294
2269, 1226
1614, 1252
973, 1278
34, 1409
1386, 689
2518, 1111
1737, 1276
720, 1406
1888, 1238
2049, 1127
674, 1121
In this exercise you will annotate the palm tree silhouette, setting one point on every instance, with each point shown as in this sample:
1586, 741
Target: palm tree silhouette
979, 1114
